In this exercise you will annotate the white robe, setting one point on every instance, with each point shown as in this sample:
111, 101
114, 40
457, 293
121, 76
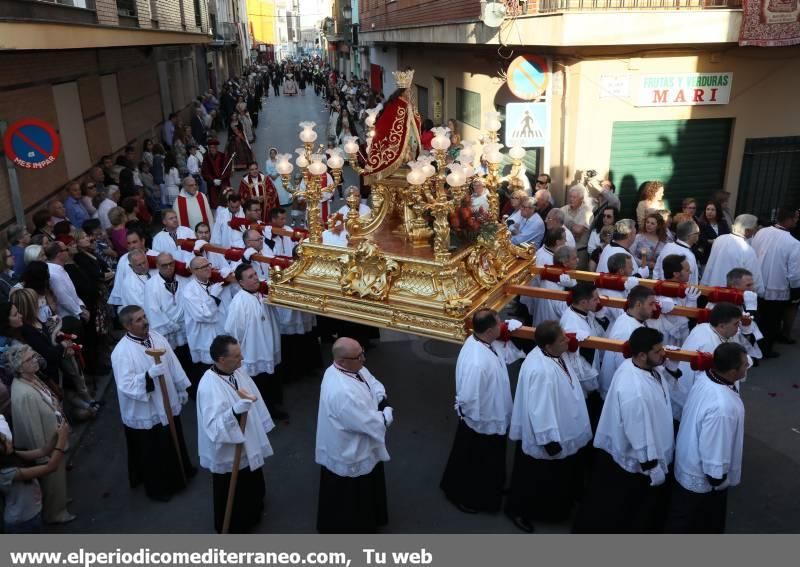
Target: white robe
123, 271
364, 211
290, 321
544, 257
612, 312
548, 309
621, 330
483, 390
731, 251
218, 430
351, 432
710, 437
195, 204
132, 292
778, 254
611, 250
254, 324
678, 248
574, 322
675, 328
204, 319
705, 339
165, 311
162, 242
138, 408
548, 407
636, 423
221, 233
329, 238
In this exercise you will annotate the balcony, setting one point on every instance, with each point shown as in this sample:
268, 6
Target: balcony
552, 6
225, 33
69, 11
580, 23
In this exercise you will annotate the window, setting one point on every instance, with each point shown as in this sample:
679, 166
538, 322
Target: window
468, 107
126, 7
198, 14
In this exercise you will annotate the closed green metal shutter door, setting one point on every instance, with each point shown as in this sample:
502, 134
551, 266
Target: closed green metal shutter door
688, 156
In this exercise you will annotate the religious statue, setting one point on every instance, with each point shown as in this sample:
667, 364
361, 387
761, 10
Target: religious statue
397, 130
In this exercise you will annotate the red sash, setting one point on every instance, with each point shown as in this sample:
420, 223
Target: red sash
183, 212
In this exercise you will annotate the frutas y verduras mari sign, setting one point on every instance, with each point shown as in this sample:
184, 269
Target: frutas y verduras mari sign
685, 89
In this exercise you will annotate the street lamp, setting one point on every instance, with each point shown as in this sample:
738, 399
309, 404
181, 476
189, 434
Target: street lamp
347, 12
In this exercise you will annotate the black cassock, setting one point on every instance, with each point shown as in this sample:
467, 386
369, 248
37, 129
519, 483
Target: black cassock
248, 501
352, 505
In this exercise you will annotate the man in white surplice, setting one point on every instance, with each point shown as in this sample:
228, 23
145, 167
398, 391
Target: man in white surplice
163, 304
621, 241
203, 313
553, 240
551, 309
676, 327
133, 286
708, 449
300, 349
635, 444
686, 235
152, 456
724, 324
222, 233
619, 264
641, 305
475, 475
134, 241
550, 422
253, 323
778, 254
353, 418
733, 250
167, 239
224, 395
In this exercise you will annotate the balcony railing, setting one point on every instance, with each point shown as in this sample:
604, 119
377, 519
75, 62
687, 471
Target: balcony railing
548, 6
225, 34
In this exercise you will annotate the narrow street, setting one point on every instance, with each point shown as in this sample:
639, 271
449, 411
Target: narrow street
419, 376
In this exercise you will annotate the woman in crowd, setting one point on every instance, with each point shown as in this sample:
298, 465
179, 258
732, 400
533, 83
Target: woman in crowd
34, 252
88, 195
651, 201
712, 224
118, 232
511, 209
37, 278
650, 240
455, 136
606, 217
147, 151
180, 151
37, 415
238, 144
172, 180
159, 171
7, 277
19, 473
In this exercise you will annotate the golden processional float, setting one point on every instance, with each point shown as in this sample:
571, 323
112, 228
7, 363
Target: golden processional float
423, 263
409, 267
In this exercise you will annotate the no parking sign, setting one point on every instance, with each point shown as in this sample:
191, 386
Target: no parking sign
31, 143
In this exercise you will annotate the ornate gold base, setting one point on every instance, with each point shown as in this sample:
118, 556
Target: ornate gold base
402, 289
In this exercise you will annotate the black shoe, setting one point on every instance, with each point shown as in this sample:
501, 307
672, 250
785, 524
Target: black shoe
466, 509
786, 340
771, 354
523, 524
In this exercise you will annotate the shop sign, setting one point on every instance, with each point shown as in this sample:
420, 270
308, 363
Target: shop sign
686, 89
615, 86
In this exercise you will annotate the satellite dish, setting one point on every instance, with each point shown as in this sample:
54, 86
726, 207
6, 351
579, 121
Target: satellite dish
493, 14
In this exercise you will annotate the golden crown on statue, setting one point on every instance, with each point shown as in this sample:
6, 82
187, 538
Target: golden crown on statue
403, 79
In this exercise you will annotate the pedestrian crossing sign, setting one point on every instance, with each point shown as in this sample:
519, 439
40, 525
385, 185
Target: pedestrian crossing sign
527, 124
